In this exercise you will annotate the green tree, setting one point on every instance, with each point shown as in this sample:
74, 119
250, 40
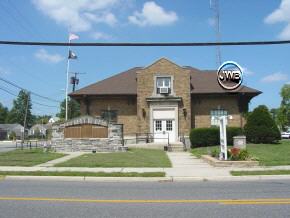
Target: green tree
73, 109
21, 106
283, 115
43, 119
3, 113
260, 127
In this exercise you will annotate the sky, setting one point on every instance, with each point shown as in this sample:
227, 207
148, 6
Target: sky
43, 69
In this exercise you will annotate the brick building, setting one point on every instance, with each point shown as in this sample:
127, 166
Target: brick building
164, 98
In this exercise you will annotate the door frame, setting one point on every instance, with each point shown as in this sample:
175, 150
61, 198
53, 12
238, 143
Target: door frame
157, 106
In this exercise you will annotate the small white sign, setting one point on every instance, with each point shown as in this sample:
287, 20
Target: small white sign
223, 138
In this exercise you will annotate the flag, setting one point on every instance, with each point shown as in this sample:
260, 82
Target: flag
72, 55
73, 36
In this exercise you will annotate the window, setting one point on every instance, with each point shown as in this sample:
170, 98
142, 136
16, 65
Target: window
168, 125
163, 83
109, 115
216, 114
158, 125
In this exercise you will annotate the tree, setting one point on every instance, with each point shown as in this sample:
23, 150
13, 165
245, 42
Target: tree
21, 107
260, 127
43, 119
3, 113
73, 109
283, 115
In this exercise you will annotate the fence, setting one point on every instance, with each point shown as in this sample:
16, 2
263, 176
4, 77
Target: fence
86, 131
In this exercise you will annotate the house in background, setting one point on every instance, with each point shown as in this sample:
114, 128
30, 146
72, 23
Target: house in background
39, 130
11, 129
53, 119
164, 99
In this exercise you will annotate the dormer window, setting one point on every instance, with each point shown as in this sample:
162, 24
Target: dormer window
163, 85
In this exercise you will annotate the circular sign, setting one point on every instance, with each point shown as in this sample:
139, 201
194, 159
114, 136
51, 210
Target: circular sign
230, 75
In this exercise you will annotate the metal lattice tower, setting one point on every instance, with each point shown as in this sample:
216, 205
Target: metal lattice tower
214, 5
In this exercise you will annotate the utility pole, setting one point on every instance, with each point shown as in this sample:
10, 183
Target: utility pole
74, 80
214, 5
25, 116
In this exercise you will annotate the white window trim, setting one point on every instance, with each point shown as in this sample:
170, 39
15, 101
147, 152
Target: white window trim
171, 84
214, 119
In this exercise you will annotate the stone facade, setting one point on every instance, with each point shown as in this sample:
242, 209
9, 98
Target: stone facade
146, 88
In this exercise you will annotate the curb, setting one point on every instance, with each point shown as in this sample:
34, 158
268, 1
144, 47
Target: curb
148, 179
232, 178
90, 179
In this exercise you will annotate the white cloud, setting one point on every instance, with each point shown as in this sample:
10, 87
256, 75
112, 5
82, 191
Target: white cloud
107, 18
153, 15
44, 56
78, 15
281, 14
101, 35
275, 77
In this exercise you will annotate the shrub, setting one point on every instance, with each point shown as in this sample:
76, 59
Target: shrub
260, 127
237, 154
231, 132
201, 137
12, 136
215, 153
244, 155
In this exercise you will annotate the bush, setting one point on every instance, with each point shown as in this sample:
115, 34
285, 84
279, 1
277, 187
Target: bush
237, 154
202, 137
260, 127
12, 136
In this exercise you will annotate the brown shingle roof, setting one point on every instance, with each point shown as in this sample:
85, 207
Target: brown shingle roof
121, 84
205, 82
202, 82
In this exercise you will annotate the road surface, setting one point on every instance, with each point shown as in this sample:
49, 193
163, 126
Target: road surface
144, 199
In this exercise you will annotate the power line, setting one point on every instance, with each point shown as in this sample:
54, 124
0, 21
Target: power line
33, 93
147, 44
34, 102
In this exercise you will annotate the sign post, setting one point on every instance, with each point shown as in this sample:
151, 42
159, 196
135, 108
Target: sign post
223, 138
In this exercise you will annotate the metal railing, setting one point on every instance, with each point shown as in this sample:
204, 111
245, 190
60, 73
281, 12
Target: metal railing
150, 137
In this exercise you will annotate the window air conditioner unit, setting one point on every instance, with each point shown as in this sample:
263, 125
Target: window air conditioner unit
164, 90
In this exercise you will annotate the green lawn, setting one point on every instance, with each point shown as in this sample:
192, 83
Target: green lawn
132, 158
267, 154
27, 157
87, 174
260, 172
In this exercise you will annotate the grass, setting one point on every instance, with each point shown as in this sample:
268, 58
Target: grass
267, 154
27, 157
260, 172
86, 174
132, 158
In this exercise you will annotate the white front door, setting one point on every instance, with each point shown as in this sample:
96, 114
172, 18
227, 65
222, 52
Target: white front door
164, 128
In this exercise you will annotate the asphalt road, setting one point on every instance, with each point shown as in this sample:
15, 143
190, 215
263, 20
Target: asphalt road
144, 199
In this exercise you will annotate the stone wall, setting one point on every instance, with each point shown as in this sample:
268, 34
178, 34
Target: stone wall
114, 142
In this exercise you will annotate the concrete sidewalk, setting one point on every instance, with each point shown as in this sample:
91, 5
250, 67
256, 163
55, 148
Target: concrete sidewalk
69, 156
186, 165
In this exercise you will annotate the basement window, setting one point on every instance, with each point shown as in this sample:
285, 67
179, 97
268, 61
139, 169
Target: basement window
216, 114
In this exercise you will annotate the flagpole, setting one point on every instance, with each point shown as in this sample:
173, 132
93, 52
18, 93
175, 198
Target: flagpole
67, 77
